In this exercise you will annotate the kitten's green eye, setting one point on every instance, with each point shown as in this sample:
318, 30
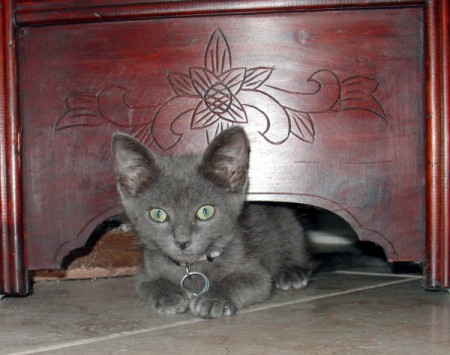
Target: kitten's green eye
158, 215
205, 212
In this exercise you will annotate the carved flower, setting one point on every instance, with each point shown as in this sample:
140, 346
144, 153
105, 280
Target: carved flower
217, 86
218, 105
217, 95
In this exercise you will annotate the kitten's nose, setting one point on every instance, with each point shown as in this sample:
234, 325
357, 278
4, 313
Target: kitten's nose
183, 245
181, 236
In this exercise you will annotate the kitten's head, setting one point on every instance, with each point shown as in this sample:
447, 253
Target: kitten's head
186, 206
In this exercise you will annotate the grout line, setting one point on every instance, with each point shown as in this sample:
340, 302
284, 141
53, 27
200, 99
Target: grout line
75, 343
253, 309
363, 273
267, 306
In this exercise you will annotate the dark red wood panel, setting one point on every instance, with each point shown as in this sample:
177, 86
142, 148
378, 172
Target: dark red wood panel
333, 103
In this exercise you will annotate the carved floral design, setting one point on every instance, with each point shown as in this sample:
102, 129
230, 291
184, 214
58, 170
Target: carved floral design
218, 95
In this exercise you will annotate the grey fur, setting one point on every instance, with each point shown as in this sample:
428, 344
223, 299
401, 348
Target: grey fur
258, 246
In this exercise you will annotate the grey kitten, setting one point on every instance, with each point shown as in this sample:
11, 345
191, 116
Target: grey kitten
205, 248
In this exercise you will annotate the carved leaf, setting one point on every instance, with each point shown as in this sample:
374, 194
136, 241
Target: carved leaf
277, 123
357, 94
235, 113
82, 111
217, 54
233, 79
322, 95
214, 130
203, 117
142, 133
113, 106
202, 80
181, 84
255, 77
170, 122
360, 83
302, 126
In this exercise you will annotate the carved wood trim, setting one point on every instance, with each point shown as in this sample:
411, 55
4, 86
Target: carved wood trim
438, 207
64, 11
218, 95
13, 274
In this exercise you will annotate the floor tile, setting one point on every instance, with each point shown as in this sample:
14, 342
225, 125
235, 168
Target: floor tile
392, 319
339, 313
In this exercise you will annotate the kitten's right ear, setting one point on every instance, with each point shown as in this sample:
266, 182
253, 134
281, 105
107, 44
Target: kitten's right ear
226, 159
136, 168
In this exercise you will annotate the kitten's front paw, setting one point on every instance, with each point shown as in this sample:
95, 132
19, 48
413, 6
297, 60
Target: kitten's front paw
172, 303
205, 306
295, 278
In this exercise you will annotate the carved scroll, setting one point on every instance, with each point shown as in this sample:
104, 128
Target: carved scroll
217, 95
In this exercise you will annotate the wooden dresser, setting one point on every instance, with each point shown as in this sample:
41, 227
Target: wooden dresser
345, 102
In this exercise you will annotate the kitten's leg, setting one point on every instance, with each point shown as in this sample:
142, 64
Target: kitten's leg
231, 294
294, 277
163, 296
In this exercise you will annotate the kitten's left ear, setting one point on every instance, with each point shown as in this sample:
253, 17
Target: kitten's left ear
226, 159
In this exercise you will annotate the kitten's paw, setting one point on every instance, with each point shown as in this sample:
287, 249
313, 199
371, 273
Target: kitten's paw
294, 278
205, 307
172, 303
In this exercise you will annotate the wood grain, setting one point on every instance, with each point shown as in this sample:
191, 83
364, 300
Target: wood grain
13, 273
438, 207
66, 11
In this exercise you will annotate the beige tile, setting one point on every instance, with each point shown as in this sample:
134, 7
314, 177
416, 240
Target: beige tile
104, 316
394, 319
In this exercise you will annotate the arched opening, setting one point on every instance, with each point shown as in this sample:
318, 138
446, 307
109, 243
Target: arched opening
332, 240
110, 251
334, 243
112, 248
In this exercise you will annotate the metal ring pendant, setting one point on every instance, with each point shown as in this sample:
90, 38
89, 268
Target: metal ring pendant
194, 273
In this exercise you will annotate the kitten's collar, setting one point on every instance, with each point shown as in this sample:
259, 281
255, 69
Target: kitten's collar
210, 258
188, 276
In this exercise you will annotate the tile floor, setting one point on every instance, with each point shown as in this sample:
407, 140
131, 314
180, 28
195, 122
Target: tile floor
347, 312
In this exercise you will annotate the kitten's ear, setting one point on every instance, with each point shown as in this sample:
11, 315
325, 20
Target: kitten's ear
136, 168
226, 159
